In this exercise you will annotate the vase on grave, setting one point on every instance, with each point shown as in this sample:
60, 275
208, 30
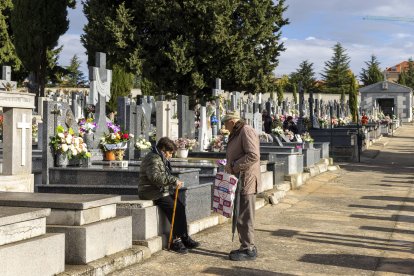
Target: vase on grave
61, 160
308, 145
214, 130
216, 150
141, 153
88, 139
182, 153
110, 155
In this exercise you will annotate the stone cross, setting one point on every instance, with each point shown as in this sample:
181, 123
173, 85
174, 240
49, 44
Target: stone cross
100, 80
23, 125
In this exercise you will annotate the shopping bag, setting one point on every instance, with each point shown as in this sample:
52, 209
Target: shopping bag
225, 185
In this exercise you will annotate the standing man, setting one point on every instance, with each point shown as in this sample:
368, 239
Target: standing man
243, 160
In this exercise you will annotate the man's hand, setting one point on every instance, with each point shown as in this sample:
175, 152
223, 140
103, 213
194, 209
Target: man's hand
179, 184
228, 168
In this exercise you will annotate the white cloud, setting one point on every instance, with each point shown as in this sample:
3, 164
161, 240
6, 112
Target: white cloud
310, 38
71, 46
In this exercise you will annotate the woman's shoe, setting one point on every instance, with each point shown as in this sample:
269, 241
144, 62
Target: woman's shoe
179, 247
189, 242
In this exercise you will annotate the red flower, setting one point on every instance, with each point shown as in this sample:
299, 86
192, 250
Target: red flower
125, 136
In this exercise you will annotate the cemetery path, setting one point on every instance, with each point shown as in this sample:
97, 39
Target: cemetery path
355, 221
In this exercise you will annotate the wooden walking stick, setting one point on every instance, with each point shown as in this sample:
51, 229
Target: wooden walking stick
173, 218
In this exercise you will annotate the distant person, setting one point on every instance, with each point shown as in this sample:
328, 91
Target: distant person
155, 182
290, 125
243, 160
267, 122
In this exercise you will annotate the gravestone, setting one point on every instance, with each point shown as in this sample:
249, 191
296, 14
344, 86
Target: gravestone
163, 119
183, 115
17, 141
127, 114
100, 92
144, 110
54, 114
202, 129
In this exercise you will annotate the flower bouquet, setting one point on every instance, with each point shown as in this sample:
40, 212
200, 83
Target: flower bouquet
306, 137
221, 163
277, 131
185, 143
87, 126
66, 145
116, 141
217, 143
142, 144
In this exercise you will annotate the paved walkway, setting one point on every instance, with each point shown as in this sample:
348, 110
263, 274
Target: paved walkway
356, 221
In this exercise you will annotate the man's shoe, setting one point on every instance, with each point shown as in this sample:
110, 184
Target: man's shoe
189, 242
243, 255
179, 247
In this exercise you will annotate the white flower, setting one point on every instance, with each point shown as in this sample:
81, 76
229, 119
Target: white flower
113, 136
61, 135
65, 147
74, 152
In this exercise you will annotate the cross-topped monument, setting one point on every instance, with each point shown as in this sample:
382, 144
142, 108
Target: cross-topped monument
100, 92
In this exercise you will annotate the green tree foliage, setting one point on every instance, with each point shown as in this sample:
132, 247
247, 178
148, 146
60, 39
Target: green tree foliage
122, 83
37, 26
74, 77
406, 77
280, 95
372, 74
111, 30
353, 97
7, 50
336, 71
304, 74
295, 93
182, 46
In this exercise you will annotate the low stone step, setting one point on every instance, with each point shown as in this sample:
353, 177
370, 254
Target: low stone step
109, 264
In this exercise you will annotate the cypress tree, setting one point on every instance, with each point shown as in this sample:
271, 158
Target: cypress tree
305, 74
37, 26
353, 98
75, 76
122, 83
295, 94
280, 94
7, 50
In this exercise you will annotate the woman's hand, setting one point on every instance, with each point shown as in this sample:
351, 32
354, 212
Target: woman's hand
179, 184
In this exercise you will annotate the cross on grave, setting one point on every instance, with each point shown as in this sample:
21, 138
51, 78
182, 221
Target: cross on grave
100, 80
56, 112
23, 125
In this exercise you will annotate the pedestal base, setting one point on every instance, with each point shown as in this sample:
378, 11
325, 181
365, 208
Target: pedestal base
17, 183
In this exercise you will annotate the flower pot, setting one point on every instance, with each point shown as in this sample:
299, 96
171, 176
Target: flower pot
119, 154
182, 153
88, 139
110, 155
61, 160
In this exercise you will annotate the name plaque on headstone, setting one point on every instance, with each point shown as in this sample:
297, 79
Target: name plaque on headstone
17, 99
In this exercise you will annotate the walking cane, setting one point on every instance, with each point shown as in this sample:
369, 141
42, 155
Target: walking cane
173, 218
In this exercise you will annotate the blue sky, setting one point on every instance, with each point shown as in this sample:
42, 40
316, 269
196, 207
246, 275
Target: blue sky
316, 26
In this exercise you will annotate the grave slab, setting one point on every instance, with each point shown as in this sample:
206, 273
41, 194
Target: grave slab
84, 243
81, 217
41, 256
19, 223
56, 201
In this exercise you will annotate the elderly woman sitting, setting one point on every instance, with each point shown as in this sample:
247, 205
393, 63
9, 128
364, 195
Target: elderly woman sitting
155, 182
